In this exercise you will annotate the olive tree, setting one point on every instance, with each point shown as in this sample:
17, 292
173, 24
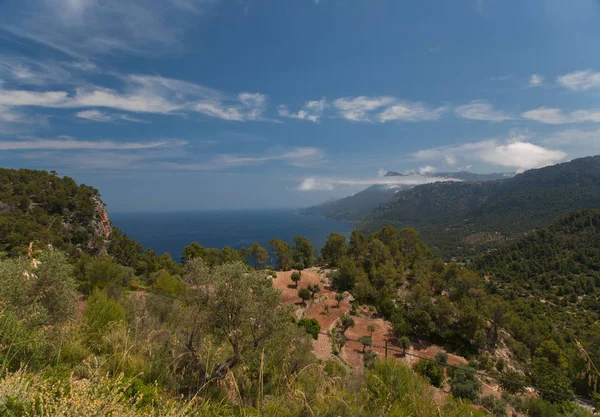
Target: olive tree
296, 277
231, 304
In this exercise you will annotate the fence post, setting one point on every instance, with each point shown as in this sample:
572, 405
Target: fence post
386, 348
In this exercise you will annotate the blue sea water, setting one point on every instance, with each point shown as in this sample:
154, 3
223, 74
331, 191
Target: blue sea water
171, 232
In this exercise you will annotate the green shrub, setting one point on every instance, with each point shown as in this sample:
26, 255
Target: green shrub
296, 277
441, 357
536, 407
145, 395
494, 405
19, 343
168, 284
512, 382
311, 326
369, 359
434, 372
464, 384
304, 294
100, 314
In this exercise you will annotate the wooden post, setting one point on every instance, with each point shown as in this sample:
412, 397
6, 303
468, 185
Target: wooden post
386, 348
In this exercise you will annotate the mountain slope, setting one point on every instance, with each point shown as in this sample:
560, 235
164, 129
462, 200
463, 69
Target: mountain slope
358, 206
354, 207
460, 218
40, 207
559, 260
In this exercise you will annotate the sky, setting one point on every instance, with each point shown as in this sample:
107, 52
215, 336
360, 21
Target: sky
167, 105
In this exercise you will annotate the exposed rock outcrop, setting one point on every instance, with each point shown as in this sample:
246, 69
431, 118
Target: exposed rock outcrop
101, 226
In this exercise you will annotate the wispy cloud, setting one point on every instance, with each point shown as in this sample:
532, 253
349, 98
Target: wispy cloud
411, 112
384, 109
73, 144
296, 156
26, 71
324, 183
312, 110
100, 116
358, 109
535, 80
427, 170
299, 157
513, 152
146, 94
557, 116
580, 80
80, 28
481, 110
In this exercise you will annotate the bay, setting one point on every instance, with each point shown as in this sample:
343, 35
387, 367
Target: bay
172, 231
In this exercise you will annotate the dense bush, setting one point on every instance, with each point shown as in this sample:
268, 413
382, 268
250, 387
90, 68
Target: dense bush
311, 326
430, 370
494, 405
464, 384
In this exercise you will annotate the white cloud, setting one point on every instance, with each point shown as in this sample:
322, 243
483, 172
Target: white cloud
312, 110
411, 112
147, 94
556, 116
521, 155
427, 170
535, 80
95, 115
137, 102
514, 152
576, 142
450, 159
295, 156
10, 116
14, 98
100, 116
315, 183
86, 27
381, 173
580, 80
357, 109
481, 110
384, 109
72, 144
25, 71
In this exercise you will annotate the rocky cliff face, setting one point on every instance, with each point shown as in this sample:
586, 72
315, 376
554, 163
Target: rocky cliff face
101, 226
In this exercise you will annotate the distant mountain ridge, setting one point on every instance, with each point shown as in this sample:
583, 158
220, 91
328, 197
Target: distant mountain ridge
461, 218
356, 207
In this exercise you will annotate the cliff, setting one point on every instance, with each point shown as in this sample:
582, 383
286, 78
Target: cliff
41, 207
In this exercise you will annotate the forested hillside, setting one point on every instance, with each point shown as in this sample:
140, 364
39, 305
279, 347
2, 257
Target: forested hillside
462, 218
354, 207
130, 332
40, 207
358, 206
561, 260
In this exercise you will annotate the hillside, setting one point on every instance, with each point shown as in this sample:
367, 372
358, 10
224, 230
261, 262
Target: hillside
356, 207
147, 330
552, 279
557, 261
42, 207
458, 219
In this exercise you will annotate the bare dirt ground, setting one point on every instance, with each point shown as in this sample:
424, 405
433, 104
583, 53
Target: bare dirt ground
325, 309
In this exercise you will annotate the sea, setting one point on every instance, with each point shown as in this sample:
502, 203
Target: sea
172, 231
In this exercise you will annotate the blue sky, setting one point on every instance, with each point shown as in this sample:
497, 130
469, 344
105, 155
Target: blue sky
207, 104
